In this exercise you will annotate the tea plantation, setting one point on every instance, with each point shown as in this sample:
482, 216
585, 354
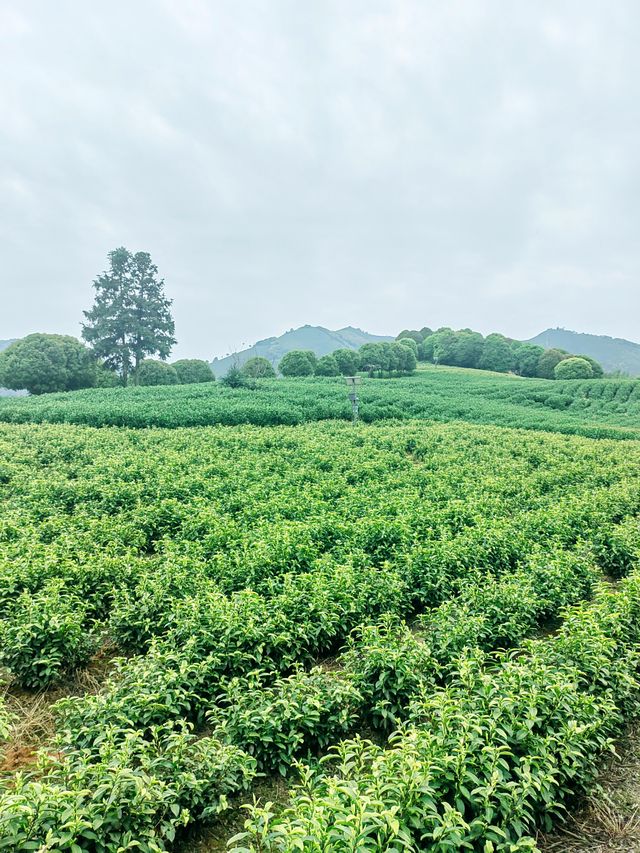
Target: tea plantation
429, 630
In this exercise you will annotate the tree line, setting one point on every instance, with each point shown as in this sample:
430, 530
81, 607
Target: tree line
129, 321
128, 335
466, 348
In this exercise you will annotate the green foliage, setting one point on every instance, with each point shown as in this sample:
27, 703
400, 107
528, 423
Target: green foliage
258, 367
596, 367
596, 408
348, 361
106, 378
468, 348
573, 368
42, 364
297, 363
409, 334
237, 378
227, 561
192, 370
388, 666
152, 372
442, 345
497, 354
527, 358
617, 547
385, 358
486, 759
411, 343
327, 366
43, 636
137, 792
279, 721
548, 362
131, 317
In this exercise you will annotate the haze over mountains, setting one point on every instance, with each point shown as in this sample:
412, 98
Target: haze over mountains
319, 340
614, 354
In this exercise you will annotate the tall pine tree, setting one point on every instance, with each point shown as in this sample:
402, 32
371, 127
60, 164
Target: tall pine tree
130, 318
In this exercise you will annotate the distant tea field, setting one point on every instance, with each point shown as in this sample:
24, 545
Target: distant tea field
602, 408
427, 631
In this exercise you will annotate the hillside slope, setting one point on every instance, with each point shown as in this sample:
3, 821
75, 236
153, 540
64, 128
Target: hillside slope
612, 353
597, 408
315, 338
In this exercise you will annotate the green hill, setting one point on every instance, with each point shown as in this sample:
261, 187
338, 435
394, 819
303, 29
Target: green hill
614, 354
319, 340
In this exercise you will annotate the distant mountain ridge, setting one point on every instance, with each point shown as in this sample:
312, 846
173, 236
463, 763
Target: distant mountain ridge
5, 344
319, 340
612, 353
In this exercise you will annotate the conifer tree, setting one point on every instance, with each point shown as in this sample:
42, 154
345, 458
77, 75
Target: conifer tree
131, 317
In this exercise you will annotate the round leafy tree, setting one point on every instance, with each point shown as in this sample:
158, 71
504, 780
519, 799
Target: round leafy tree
411, 343
45, 363
152, 372
410, 334
548, 361
573, 368
598, 371
527, 357
327, 366
296, 363
348, 361
192, 370
258, 367
497, 354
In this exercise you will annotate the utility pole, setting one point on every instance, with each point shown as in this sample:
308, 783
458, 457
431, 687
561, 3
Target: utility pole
352, 381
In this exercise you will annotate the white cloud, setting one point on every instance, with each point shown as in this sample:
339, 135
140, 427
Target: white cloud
372, 162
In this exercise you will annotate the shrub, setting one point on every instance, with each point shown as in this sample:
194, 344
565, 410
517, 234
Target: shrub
44, 636
327, 366
278, 721
137, 792
297, 363
237, 378
388, 665
191, 371
348, 361
573, 368
548, 361
152, 372
45, 363
258, 367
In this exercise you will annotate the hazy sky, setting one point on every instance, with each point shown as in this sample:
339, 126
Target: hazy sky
377, 164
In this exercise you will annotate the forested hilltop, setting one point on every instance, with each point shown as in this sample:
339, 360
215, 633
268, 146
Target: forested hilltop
614, 354
466, 348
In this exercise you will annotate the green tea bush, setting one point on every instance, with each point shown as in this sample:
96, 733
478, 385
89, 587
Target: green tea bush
45, 636
486, 759
617, 547
388, 665
598, 408
279, 720
136, 793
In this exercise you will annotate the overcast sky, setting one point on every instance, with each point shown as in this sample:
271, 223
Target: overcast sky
377, 164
